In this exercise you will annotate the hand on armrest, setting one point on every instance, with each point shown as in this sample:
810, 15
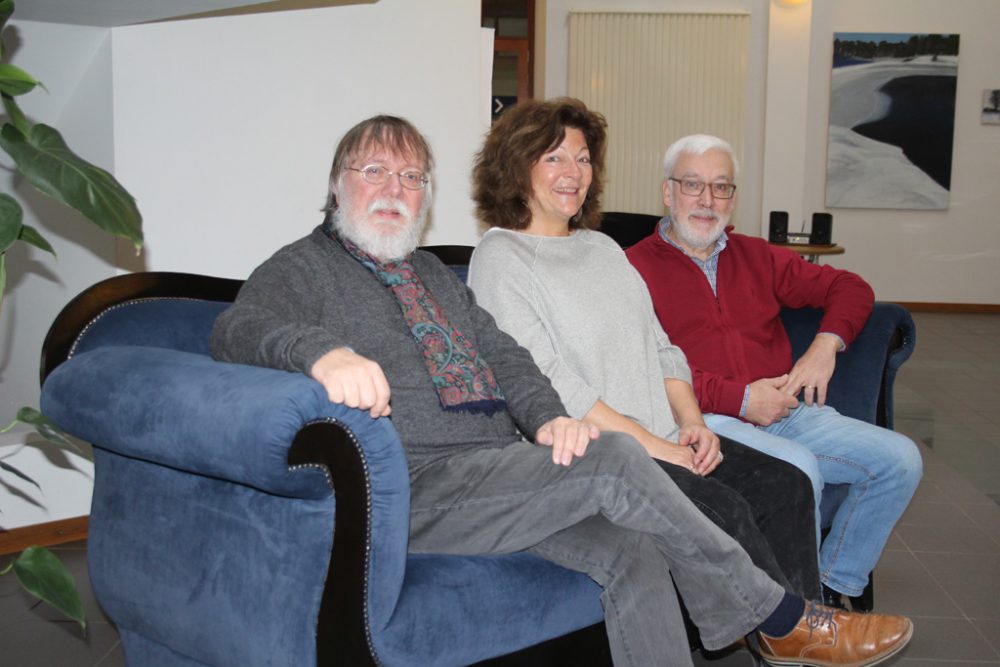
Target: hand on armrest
813, 370
353, 380
189, 412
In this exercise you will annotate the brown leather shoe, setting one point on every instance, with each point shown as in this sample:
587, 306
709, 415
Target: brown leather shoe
827, 637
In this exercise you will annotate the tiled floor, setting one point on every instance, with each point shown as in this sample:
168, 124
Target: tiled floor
941, 567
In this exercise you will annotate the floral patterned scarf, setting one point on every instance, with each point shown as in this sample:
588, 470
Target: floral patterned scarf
462, 378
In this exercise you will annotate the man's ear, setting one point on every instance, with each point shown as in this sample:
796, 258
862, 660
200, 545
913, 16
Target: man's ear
666, 192
333, 198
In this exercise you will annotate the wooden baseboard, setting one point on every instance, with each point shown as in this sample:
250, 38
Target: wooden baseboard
44, 534
926, 307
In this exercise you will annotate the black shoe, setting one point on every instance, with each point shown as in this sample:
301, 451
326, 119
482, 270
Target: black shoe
832, 598
861, 604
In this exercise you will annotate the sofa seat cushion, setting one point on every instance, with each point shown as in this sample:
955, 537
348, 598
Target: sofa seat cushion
456, 610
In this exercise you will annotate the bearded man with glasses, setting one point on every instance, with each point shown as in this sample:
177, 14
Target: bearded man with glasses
718, 295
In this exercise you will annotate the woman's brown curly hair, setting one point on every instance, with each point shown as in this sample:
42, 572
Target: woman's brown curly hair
501, 177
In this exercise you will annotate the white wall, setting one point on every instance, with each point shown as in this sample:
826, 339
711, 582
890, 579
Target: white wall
925, 256
785, 116
556, 70
948, 256
224, 130
228, 147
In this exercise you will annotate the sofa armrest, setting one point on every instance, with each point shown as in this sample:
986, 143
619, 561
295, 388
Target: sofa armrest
266, 432
189, 412
896, 326
861, 386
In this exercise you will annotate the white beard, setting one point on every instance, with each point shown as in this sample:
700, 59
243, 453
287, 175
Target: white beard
384, 240
688, 236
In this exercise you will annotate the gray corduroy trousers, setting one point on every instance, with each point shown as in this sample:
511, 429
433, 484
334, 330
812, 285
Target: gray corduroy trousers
613, 515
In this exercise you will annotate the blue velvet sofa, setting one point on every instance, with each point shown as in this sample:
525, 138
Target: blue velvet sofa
239, 518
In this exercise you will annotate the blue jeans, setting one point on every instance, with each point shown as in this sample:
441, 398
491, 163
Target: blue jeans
881, 466
613, 515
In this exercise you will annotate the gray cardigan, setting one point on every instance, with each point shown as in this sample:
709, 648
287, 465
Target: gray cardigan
586, 317
312, 297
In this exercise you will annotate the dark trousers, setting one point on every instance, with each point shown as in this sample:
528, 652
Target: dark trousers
766, 505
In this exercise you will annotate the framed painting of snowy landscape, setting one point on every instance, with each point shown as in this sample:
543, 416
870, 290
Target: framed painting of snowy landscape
892, 119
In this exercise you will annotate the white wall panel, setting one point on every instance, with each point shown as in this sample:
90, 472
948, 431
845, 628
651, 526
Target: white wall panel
657, 77
228, 147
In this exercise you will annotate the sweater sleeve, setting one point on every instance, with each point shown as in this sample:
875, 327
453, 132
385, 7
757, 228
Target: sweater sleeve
673, 362
501, 278
717, 393
846, 299
269, 323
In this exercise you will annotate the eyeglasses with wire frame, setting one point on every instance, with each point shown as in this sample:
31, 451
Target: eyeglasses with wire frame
377, 175
693, 188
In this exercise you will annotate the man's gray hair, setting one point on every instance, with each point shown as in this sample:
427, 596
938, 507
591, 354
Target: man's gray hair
389, 132
697, 144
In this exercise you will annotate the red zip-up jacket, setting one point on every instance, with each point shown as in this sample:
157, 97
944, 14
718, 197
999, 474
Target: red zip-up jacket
737, 338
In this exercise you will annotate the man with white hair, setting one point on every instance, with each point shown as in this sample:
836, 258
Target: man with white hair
718, 295
389, 329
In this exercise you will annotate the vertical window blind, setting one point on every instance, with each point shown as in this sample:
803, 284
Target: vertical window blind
657, 77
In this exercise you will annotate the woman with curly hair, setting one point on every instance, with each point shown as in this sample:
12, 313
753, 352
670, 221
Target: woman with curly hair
568, 294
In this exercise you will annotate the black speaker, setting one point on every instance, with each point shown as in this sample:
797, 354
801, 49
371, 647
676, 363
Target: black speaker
822, 229
778, 229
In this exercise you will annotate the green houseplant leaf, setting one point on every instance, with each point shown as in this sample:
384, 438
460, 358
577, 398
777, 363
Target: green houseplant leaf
47, 162
11, 221
11, 216
14, 112
47, 429
31, 236
45, 577
12, 229
6, 9
15, 81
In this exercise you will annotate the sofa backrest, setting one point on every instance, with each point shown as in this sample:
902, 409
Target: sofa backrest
153, 309
161, 309
456, 257
627, 229
179, 324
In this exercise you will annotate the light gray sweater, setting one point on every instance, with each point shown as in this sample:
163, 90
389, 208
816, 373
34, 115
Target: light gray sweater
586, 317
